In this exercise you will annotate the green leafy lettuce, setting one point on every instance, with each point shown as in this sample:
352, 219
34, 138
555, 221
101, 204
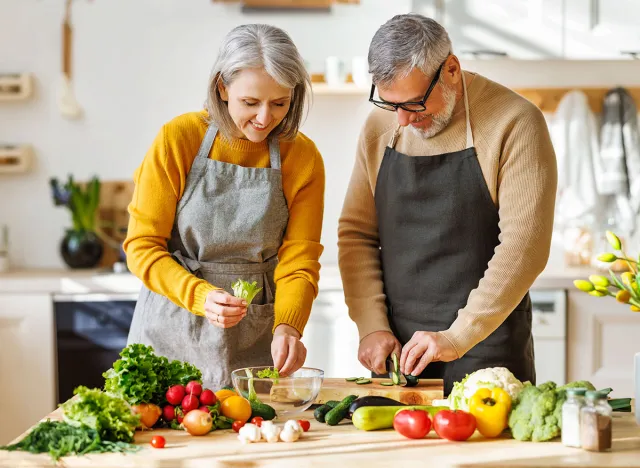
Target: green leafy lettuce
60, 439
140, 376
269, 374
245, 290
110, 416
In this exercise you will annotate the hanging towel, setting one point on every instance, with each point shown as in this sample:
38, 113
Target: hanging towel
617, 164
574, 133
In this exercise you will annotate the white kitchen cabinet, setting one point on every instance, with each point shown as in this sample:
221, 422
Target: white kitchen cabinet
602, 340
601, 29
517, 29
27, 362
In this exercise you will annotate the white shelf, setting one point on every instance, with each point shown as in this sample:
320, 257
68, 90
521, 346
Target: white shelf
349, 89
15, 87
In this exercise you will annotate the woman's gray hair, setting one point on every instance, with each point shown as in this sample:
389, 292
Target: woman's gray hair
404, 43
259, 46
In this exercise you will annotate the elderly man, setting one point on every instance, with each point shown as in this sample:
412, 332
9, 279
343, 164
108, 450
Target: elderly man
448, 217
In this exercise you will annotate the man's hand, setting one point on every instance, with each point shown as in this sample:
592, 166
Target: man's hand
224, 310
375, 348
287, 350
423, 348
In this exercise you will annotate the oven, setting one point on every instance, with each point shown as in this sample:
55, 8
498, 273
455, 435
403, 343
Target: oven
90, 330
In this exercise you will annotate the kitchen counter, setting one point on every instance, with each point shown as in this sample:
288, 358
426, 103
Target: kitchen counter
343, 445
65, 281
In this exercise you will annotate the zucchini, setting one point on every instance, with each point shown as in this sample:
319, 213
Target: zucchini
322, 410
372, 400
263, 410
371, 418
337, 414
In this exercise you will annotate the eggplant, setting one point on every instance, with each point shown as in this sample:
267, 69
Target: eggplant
372, 400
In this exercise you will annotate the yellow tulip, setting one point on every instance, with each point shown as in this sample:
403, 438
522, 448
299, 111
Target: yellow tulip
599, 280
623, 296
597, 293
607, 257
613, 240
627, 278
584, 285
635, 309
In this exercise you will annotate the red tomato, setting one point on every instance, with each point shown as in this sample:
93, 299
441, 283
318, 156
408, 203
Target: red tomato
414, 424
304, 424
237, 425
257, 421
158, 441
455, 425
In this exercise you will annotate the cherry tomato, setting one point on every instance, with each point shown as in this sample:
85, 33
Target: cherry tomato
257, 421
455, 425
158, 441
414, 424
304, 424
237, 425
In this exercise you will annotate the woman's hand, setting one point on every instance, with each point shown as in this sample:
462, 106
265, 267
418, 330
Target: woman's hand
224, 310
287, 350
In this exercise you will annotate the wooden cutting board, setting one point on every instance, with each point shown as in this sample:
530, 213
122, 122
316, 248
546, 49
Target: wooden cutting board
424, 393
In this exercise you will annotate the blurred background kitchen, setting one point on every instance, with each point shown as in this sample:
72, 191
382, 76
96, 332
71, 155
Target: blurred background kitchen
85, 85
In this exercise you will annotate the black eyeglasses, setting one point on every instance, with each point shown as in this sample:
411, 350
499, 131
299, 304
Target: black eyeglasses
408, 106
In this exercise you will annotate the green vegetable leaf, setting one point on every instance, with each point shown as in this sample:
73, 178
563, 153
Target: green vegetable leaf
245, 290
269, 374
252, 396
110, 416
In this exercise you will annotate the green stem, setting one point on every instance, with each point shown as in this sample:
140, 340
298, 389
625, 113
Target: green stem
629, 262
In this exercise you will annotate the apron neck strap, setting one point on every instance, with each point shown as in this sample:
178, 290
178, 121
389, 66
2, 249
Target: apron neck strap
207, 142
466, 111
274, 152
396, 133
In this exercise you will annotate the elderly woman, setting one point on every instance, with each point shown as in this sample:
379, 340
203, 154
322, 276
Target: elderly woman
232, 192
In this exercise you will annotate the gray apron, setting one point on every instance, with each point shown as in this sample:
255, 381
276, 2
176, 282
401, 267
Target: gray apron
229, 225
438, 229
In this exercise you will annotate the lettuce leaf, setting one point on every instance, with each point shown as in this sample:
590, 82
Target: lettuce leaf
245, 290
110, 416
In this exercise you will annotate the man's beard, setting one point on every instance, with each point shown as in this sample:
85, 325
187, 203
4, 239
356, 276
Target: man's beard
440, 120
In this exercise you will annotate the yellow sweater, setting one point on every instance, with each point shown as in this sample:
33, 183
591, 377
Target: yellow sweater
159, 185
519, 167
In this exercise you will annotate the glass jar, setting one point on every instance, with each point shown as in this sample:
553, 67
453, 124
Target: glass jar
571, 416
595, 423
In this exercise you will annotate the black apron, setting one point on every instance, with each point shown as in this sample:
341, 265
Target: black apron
438, 229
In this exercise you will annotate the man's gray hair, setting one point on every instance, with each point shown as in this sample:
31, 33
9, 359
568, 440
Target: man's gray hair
404, 43
259, 46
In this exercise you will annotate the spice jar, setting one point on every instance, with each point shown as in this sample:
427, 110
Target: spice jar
595, 423
571, 416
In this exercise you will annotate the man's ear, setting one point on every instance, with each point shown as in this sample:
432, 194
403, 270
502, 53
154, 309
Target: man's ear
452, 70
222, 89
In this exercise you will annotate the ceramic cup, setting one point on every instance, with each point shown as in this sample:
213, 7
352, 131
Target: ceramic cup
334, 74
360, 72
637, 388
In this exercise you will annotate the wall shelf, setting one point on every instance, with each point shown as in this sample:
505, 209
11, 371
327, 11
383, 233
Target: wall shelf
15, 158
15, 87
547, 99
348, 89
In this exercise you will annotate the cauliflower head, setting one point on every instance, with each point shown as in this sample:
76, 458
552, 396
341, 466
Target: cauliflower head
490, 377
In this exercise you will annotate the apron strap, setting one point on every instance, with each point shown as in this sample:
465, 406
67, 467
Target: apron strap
466, 112
207, 142
274, 152
394, 137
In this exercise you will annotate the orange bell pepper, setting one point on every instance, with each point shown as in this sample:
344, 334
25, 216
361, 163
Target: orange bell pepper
491, 408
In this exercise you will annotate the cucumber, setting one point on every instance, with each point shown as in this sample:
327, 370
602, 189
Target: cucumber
322, 410
263, 410
353, 379
371, 418
337, 414
372, 400
412, 380
395, 376
363, 381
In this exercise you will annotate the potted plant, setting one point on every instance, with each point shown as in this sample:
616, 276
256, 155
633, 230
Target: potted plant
81, 246
625, 288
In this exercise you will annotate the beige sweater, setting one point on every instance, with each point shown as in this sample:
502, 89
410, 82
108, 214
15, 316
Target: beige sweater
519, 166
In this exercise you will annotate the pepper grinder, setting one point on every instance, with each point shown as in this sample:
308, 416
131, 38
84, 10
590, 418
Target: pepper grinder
4, 248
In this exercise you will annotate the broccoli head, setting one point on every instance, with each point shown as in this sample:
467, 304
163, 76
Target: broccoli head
537, 415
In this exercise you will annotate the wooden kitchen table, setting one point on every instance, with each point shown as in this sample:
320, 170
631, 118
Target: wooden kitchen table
343, 445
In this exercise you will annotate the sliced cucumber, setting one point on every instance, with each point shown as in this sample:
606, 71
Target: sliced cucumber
387, 384
353, 379
395, 376
363, 381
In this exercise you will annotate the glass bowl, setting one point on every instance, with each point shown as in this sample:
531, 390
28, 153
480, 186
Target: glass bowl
288, 396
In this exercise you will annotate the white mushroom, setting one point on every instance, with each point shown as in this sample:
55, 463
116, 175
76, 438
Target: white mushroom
270, 431
289, 435
293, 425
249, 433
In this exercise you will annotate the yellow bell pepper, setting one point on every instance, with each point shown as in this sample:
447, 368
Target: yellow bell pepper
491, 409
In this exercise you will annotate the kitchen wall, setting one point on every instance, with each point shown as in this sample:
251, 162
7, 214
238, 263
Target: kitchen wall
139, 63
